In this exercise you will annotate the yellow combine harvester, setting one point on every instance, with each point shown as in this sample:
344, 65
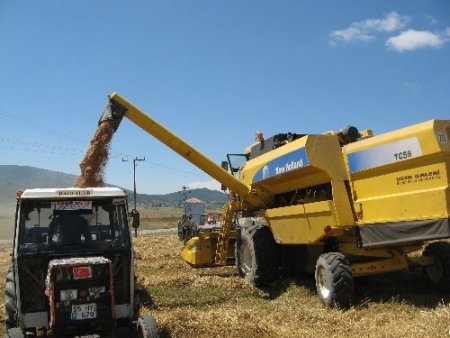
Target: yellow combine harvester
341, 205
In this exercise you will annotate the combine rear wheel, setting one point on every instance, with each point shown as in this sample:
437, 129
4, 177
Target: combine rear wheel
438, 273
257, 256
146, 327
334, 280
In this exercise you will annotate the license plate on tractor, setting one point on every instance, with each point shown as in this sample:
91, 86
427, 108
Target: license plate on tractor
84, 311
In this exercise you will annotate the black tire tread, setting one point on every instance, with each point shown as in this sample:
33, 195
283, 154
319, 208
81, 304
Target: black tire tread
147, 327
342, 294
265, 252
10, 300
14, 332
440, 250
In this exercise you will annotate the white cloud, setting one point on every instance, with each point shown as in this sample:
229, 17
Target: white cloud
391, 22
364, 30
211, 184
411, 39
349, 34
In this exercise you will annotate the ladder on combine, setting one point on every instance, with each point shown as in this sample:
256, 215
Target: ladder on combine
226, 232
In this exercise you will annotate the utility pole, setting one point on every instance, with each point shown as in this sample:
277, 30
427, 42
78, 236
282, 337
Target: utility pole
184, 192
134, 182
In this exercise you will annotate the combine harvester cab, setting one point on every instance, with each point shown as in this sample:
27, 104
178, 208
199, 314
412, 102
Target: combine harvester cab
340, 205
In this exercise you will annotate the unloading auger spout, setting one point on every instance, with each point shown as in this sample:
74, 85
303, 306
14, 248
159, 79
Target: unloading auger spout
118, 107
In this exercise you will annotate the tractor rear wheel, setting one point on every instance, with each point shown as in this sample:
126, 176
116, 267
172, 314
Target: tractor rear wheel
146, 327
334, 280
438, 273
14, 332
10, 300
257, 255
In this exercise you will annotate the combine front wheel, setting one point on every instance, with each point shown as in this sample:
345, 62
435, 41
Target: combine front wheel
334, 280
257, 255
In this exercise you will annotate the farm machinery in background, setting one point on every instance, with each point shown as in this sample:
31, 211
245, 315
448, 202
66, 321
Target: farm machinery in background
340, 204
195, 220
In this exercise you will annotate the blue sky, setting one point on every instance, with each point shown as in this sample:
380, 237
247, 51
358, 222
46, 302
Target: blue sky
214, 72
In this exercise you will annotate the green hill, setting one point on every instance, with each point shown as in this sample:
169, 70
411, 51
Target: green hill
14, 178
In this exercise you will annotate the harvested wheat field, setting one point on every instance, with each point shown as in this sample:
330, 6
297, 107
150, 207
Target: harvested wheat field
215, 302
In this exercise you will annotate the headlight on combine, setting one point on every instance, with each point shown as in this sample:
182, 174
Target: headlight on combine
69, 294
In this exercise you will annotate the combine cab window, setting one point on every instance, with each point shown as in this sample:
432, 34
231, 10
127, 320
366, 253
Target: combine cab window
62, 225
236, 162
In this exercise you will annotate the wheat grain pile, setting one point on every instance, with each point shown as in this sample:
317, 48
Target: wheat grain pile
94, 162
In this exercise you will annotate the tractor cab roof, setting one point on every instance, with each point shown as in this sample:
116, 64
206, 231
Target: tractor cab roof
70, 193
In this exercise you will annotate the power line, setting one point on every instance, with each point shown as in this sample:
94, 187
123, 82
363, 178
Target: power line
43, 148
24, 145
33, 125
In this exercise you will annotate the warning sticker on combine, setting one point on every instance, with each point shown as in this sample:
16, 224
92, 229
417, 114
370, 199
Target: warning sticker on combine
384, 154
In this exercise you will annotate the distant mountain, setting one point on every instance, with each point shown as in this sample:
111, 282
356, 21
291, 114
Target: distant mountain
14, 177
211, 197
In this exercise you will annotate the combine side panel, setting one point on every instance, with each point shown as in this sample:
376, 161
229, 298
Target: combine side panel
297, 167
301, 224
400, 184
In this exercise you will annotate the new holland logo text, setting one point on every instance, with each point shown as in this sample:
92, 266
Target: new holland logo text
289, 167
283, 164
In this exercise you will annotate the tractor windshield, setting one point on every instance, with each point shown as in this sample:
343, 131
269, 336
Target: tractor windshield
68, 224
